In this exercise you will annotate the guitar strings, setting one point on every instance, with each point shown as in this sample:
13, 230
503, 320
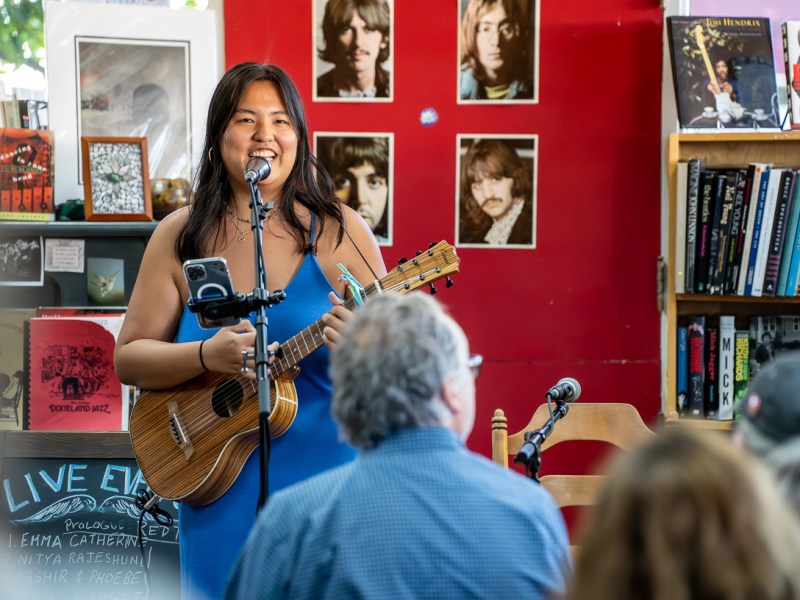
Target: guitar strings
207, 418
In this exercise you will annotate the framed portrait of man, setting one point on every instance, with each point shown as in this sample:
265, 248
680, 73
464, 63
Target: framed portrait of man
353, 50
498, 52
496, 190
360, 165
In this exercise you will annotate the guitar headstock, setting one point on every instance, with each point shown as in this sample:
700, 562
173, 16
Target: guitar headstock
699, 36
440, 260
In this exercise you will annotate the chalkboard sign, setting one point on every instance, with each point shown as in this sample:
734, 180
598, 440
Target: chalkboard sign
70, 525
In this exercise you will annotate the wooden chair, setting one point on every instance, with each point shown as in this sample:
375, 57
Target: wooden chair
614, 423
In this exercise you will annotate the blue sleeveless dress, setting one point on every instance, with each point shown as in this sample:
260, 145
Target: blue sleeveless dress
212, 536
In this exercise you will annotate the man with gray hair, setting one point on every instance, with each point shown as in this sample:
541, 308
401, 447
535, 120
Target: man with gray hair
770, 423
416, 515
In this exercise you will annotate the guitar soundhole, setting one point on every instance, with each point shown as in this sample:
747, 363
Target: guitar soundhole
227, 398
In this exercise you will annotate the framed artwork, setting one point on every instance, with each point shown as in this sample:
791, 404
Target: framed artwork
352, 46
496, 190
116, 183
21, 261
122, 70
361, 166
498, 52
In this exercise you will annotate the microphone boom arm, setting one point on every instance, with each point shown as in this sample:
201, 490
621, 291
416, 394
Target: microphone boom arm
529, 452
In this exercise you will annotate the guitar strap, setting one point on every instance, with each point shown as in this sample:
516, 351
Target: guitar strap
361, 254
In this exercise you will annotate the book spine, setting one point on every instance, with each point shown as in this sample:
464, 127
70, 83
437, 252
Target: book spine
788, 243
26, 216
727, 334
692, 200
741, 370
736, 270
759, 217
794, 265
711, 383
766, 231
682, 390
729, 277
680, 227
747, 232
778, 234
705, 212
715, 226
791, 61
725, 218
696, 336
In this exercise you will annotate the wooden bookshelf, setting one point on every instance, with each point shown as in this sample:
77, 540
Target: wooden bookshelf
720, 150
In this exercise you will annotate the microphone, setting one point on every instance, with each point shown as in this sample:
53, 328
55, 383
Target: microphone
567, 389
257, 169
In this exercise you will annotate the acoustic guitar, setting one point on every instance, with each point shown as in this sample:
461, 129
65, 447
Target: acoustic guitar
191, 441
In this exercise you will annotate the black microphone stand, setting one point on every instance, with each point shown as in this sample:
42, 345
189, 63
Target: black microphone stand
530, 452
262, 299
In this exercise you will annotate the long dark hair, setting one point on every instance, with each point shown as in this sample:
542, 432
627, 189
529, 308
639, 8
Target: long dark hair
211, 187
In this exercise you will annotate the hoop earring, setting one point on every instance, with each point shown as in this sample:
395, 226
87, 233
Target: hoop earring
210, 150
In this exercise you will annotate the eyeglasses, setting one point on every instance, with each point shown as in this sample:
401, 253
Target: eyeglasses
504, 30
474, 363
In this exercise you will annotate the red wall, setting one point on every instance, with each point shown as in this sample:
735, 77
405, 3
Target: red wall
583, 302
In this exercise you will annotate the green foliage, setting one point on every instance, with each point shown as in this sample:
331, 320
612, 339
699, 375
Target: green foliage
24, 20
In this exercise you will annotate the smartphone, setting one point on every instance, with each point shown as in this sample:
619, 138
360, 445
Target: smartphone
209, 279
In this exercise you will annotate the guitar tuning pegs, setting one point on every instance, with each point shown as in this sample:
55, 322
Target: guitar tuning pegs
433, 289
402, 260
449, 281
432, 244
418, 252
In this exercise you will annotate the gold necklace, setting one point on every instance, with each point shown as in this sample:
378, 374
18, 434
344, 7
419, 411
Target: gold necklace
242, 234
235, 216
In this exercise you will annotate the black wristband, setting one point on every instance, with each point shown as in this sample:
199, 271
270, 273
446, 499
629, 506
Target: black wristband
200, 353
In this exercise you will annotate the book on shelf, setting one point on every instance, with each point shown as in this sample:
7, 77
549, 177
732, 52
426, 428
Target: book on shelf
705, 211
711, 382
770, 202
778, 234
721, 230
682, 369
719, 190
13, 382
729, 279
681, 184
26, 174
791, 231
758, 207
694, 167
790, 33
727, 335
770, 336
793, 276
741, 369
723, 72
73, 384
748, 225
696, 370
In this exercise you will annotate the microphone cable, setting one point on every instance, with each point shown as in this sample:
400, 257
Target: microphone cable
147, 502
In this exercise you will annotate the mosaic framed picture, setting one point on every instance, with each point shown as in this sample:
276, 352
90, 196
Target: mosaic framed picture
116, 180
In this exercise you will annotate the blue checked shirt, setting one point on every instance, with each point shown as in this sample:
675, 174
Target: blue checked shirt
419, 516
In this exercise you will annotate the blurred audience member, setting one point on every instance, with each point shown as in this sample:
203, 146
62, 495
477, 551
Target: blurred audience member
689, 517
770, 423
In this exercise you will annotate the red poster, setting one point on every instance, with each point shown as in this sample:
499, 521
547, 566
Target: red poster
73, 385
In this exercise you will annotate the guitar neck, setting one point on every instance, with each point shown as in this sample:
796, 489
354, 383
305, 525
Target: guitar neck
700, 38
300, 345
440, 260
